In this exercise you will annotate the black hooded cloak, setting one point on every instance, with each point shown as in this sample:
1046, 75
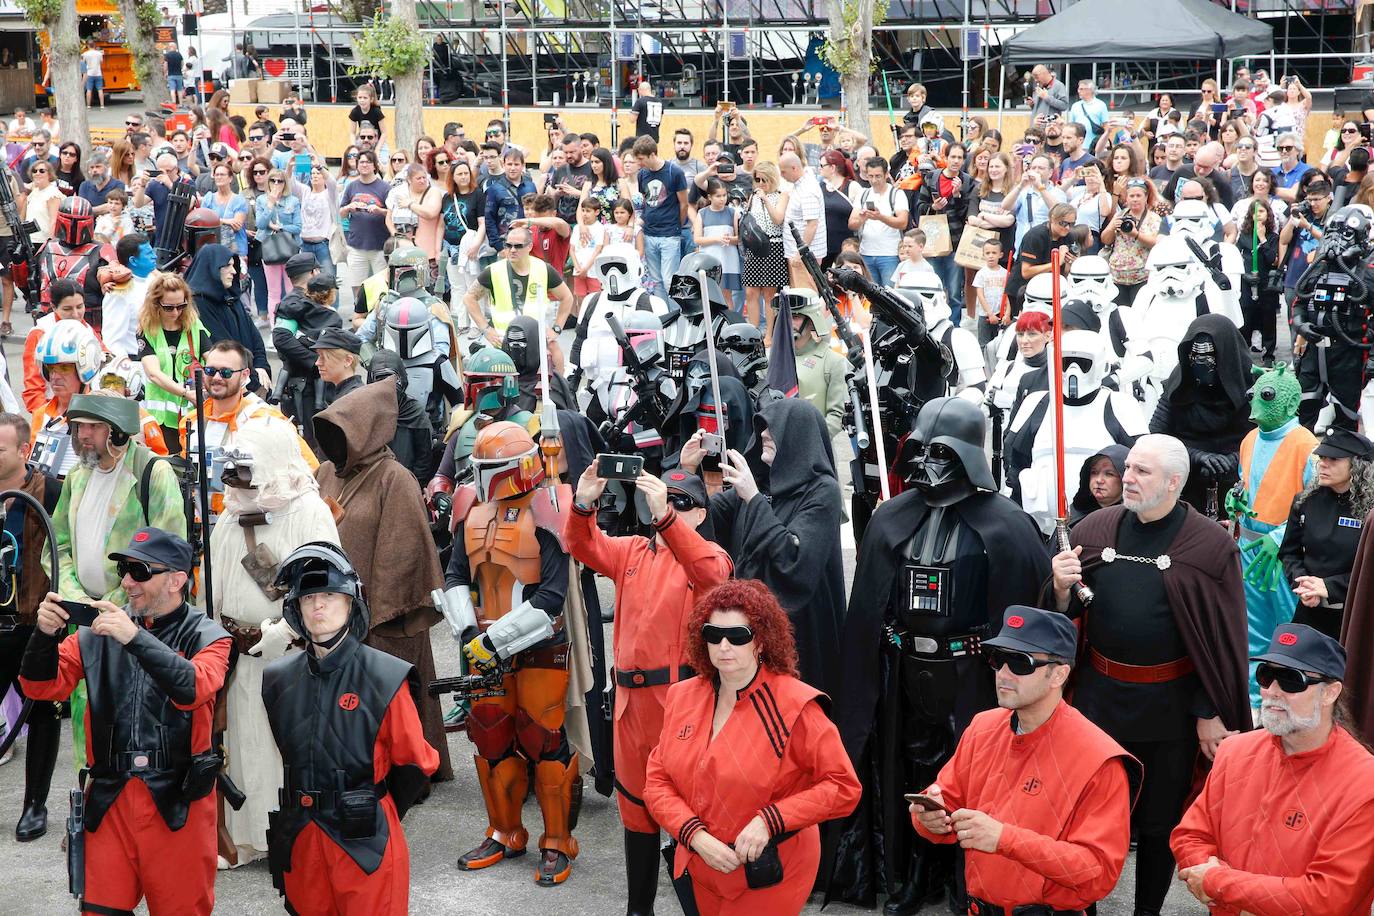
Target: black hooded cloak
790, 538
526, 361
1210, 420
220, 309
1083, 501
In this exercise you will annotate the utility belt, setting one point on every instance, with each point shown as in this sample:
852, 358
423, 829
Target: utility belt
244, 635
654, 677
1140, 674
938, 647
11, 622
331, 801
978, 907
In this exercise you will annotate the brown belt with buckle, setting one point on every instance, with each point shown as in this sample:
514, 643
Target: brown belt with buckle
245, 636
1140, 674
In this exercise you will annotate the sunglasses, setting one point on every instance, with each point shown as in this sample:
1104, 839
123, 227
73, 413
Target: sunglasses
517, 245
223, 372
351, 156
180, 307
133, 123
259, 171
246, 158
138, 570
67, 152
38, 171
736, 636
1245, 146
681, 503
1019, 663
493, 133
396, 159
1350, 130
1064, 223
1290, 680
1287, 149
276, 181
439, 162
256, 139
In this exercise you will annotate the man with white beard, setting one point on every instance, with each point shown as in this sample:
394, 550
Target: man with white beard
1283, 823
1164, 662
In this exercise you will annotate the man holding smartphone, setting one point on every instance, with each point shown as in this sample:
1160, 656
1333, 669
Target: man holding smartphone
1035, 794
656, 584
152, 669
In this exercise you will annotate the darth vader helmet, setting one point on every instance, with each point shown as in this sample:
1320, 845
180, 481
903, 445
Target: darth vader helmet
944, 457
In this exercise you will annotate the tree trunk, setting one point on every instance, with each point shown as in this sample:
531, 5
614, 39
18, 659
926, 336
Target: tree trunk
64, 71
858, 40
148, 63
409, 87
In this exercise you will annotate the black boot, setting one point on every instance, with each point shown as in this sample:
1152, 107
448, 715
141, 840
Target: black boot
641, 872
40, 759
930, 873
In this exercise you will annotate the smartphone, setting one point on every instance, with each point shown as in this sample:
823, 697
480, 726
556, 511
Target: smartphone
725, 168
925, 802
550, 119
619, 467
80, 613
726, 106
871, 206
1218, 107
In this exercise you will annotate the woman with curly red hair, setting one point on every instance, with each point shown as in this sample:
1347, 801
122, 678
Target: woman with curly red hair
744, 809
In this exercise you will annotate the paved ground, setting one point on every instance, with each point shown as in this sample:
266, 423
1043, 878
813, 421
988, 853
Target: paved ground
447, 824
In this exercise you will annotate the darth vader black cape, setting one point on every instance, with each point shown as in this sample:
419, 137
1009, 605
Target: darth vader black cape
857, 848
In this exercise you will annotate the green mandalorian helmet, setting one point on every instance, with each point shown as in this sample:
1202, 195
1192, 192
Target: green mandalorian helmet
490, 380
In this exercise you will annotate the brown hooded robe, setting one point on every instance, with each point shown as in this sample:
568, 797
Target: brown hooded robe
1207, 600
1357, 634
385, 532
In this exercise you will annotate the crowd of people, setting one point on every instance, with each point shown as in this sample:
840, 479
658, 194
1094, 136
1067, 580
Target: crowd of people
286, 410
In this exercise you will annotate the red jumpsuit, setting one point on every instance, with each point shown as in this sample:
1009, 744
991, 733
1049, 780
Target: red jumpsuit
654, 593
323, 878
1292, 831
778, 757
134, 854
1062, 796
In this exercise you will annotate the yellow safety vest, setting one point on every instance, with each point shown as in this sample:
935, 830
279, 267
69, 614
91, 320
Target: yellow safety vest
502, 304
175, 362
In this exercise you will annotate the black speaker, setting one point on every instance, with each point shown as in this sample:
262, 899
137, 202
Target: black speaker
1351, 100
189, 24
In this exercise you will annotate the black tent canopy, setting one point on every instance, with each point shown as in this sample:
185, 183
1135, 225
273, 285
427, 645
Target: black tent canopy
1140, 30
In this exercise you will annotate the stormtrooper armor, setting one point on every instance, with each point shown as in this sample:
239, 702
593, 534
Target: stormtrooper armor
971, 374
1038, 297
1178, 291
1194, 219
595, 352
1094, 417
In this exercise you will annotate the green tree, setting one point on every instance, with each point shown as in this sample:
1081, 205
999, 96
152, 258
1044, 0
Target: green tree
58, 18
141, 19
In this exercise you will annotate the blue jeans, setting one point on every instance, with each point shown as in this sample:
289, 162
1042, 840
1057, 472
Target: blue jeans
689, 245
176, 84
662, 254
259, 278
881, 267
951, 274
320, 250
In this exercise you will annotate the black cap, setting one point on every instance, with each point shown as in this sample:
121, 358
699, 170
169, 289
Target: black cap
338, 339
1029, 629
689, 485
1302, 648
1343, 443
322, 284
302, 262
160, 548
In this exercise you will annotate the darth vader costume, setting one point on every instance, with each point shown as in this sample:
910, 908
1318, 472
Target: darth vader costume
911, 674
1205, 406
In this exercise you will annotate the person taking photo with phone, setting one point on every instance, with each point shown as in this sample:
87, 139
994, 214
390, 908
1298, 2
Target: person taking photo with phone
1036, 795
657, 582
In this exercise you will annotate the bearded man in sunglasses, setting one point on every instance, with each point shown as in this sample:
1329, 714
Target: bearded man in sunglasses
1283, 822
152, 665
1036, 795
1165, 638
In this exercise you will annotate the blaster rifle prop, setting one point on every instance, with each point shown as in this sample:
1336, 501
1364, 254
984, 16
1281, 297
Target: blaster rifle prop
1061, 523
76, 843
712, 443
170, 244
879, 446
854, 349
22, 249
893, 311
9, 568
550, 439
469, 687
203, 482
645, 391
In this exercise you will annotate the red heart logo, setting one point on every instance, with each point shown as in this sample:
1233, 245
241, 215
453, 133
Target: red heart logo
1016, 621
274, 66
1288, 639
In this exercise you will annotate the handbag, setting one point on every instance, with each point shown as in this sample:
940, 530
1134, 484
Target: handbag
278, 246
766, 870
936, 228
753, 236
970, 251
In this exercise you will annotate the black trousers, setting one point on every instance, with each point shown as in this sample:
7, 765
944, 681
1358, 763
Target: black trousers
44, 721
1335, 372
1261, 312
1168, 776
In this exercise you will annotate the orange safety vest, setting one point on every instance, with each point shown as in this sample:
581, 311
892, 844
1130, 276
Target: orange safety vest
1283, 479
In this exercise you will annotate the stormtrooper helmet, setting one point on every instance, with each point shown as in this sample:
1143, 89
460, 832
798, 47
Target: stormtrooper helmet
1082, 358
1090, 279
1193, 219
617, 268
1039, 294
926, 290
1174, 272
